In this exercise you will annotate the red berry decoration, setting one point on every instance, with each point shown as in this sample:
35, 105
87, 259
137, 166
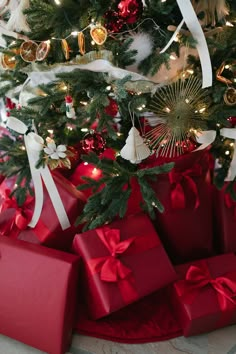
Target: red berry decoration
130, 10
112, 108
93, 142
232, 121
113, 22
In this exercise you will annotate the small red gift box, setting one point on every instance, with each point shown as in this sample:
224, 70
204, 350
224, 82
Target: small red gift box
14, 219
205, 297
123, 262
38, 295
185, 227
224, 221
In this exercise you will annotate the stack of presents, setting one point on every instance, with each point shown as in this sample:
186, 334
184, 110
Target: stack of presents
189, 250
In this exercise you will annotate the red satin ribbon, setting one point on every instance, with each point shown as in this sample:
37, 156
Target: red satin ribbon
7, 201
177, 181
21, 218
111, 268
230, 203
198, 277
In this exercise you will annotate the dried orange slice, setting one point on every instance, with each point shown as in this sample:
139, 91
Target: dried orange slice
81, 43
65, 48
8, 62
99, 34
42, 50
28, 51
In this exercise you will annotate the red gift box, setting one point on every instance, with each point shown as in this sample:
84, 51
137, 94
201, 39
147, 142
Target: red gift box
38, 295
205, 297
185, 227
123, 262
224, 221
14, 219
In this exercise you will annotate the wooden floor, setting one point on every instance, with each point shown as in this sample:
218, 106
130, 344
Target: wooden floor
222, 341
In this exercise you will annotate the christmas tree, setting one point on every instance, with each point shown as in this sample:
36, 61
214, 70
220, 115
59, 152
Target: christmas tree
108, 83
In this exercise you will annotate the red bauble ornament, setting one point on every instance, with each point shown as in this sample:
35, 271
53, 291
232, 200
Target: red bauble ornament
130, 10
113, 22
93, 142
232, 121
112, 108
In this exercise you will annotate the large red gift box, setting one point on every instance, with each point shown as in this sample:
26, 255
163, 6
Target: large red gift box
204, 298
224, 221
185, 227
38, 295
124, 261
14, 219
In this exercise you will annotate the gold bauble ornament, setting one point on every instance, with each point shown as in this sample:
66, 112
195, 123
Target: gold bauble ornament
230, 96
98, 34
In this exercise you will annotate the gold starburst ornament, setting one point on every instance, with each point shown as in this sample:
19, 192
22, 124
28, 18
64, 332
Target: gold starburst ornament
181, 111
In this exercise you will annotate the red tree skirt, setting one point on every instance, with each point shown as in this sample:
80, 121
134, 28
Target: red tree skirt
148, 320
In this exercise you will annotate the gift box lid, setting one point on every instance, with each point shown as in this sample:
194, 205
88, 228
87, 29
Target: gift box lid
38, 294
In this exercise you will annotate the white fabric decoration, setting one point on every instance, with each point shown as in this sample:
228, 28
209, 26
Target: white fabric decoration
206, 138
17, 21
34, 144
41, 74
191, 20
135, 150
55, 152
142, 43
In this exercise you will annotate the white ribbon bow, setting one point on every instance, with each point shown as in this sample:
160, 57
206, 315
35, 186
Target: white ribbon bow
207, 137
191, 20
34, 144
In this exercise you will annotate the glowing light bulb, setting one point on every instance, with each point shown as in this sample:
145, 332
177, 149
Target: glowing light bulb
57, 2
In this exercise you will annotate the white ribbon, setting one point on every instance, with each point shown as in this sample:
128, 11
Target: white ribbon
207, 137
191, 20
34, 144
43, 74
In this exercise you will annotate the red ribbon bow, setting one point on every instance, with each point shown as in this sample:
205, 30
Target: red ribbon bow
111, 269
6, 200
198, 276
177, 180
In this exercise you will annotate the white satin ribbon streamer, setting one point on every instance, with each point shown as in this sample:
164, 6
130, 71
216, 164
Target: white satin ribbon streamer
191, 20
34, 144
207, 137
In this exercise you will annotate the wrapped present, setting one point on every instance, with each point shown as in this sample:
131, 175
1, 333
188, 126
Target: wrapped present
185, 227
224, 221
204, 298
38, 295
14, 219
124, 261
